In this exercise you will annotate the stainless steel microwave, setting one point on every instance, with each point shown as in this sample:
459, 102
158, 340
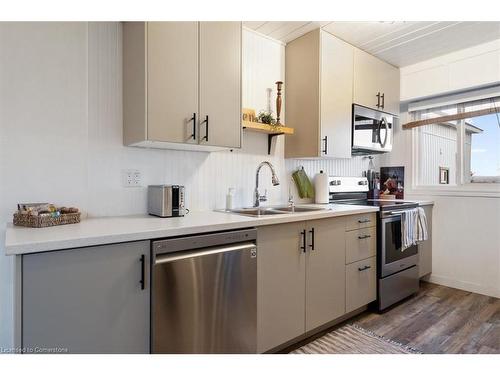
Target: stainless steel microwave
372, 131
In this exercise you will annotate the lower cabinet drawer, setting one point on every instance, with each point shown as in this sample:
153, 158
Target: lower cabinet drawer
361, 283
360, 244
354, 222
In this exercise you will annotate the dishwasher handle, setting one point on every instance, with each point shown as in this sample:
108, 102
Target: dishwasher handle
167, 258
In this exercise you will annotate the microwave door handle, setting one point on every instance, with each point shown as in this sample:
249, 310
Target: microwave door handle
384, 123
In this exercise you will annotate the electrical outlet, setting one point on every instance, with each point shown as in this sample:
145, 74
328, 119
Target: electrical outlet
131, 178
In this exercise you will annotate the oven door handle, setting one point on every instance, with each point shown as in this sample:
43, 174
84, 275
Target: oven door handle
394, 213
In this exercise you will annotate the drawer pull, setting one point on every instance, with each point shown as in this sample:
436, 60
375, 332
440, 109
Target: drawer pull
142, 282
312, 239
206, 128
364, 268
364, 236
363, 221
303, 234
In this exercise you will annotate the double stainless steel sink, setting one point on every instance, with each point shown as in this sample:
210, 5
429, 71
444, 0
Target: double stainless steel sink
277, 210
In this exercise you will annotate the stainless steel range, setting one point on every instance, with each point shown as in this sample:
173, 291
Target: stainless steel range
397, 269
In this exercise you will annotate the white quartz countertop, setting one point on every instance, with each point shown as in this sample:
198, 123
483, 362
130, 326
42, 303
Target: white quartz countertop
107, 230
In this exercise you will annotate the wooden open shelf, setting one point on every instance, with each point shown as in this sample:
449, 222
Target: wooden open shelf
271, 131
265, 128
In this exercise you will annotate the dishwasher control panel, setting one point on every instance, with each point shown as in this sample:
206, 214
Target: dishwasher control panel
200, 241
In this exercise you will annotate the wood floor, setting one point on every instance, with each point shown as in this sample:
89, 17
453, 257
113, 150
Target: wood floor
440, 320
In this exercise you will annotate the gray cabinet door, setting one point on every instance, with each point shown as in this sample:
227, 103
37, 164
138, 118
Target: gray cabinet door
281, 271
220, 84
172, 58
336, 96
425, 248
87, 300
361, 283
325, 271
373, 76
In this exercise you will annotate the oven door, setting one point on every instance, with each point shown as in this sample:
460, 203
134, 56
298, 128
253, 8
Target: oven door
392, 258
372, 131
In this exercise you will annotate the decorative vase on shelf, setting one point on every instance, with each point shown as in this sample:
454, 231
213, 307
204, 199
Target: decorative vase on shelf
278, 102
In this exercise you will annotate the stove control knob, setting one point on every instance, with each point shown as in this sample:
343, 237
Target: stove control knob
339, 182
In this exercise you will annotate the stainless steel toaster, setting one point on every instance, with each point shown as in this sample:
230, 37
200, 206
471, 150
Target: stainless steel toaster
166, 200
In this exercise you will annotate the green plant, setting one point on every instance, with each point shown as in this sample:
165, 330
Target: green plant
266, 118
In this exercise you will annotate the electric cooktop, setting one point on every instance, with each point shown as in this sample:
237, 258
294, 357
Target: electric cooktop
384, 205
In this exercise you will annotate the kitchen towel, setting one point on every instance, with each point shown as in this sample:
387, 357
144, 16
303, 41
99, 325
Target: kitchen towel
413, 227
303, 184
421, 225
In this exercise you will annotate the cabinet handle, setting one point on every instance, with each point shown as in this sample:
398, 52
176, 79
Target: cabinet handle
325, 151
206, 123
383, 101
363, 268
303, 247
143, 272
193, 135
364, 236
312, 239
363, 221
378, 99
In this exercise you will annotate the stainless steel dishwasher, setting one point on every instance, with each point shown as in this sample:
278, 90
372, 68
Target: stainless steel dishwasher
204, 296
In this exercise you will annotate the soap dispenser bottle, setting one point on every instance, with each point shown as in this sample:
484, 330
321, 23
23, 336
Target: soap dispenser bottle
229, 199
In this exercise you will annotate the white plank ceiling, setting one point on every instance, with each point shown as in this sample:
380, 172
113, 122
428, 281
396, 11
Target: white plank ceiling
399, 43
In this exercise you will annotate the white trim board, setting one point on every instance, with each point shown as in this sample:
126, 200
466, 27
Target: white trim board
461, 97
464, 285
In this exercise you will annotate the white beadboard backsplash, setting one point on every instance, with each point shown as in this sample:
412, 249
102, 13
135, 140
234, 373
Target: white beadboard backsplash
332, 167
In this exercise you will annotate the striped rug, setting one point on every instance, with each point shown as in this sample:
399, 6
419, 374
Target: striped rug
352, 339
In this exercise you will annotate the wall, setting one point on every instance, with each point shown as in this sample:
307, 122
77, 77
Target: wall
460, 70
466, 243
466, 240
43, 126
61, 132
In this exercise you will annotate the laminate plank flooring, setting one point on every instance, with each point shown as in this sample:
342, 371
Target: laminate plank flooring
440, 320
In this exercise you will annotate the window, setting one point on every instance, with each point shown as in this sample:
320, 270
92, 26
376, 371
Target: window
451, 149
482, 149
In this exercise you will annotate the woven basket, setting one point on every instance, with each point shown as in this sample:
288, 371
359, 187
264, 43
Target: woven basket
26, 220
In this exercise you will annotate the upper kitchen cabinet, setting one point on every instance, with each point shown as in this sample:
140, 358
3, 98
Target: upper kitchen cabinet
376, 83
172, 81
324, 77
182, 85
319, 76
220, 83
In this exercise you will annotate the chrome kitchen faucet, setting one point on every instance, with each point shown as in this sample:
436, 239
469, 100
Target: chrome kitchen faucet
263, 198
